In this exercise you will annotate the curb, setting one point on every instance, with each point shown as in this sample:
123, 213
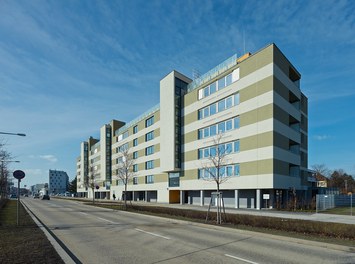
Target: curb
67, 256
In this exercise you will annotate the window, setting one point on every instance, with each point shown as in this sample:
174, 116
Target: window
149, 121
149, 179
228, 79
149, 136
135, 142
213, 130
135, 167
206, 91
236, 122
149, 165
135, 180
236, 146
135, 154
125, 135
223, 149
236, 99
135, 129
149, 150
221, 84
213, 109
221, 105
229, 125
212, 88
122, 147
229, 102
236, 170
220, 127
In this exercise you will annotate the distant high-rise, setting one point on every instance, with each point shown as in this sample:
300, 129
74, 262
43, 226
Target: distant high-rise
58, 182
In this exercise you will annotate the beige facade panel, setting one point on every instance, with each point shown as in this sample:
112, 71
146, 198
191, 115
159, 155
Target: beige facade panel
256, 61
190, 156
190, 118
162, 177
190, 98
141, 153
257, 141
190, 137
157, 147
256, 167
189, 175
256, 115
256, 89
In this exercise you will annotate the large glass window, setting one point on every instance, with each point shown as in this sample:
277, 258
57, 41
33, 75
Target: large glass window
149, 179
135, 154
135, 142
135, 180
218, 107
220, 127
149, 121
135, 167
223, 149
135, 129
212, 88
149, 136
149, 150
149, 165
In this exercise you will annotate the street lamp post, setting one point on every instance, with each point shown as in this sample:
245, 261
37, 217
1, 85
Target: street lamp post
13, 134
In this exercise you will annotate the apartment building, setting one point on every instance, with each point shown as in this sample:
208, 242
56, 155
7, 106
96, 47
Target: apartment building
253, 103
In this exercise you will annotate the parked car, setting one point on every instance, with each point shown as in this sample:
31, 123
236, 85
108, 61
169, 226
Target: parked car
36, 196
13, 196
46, 197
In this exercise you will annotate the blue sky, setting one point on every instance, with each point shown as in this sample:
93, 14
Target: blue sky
69, 67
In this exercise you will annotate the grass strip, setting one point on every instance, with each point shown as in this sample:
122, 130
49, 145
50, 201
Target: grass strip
24, 243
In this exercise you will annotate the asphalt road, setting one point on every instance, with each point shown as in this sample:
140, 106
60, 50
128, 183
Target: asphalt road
97, 235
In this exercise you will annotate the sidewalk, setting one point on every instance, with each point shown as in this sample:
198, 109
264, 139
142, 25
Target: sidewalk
322, 217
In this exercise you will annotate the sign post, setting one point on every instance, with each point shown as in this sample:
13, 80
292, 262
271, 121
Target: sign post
18, 174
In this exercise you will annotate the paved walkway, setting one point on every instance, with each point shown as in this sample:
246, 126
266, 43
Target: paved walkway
331, 218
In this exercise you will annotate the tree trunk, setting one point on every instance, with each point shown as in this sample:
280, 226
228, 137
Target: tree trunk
125, 196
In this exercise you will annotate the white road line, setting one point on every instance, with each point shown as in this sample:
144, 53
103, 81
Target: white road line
83, 213
140, 230
245, 260
103, 219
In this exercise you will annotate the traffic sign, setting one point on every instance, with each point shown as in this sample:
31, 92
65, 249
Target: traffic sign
19, 174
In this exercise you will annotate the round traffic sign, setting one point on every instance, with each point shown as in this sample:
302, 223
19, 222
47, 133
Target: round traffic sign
19, 174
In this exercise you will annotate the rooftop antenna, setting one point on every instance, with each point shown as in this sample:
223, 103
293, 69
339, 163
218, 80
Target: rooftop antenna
195, 74
244, 40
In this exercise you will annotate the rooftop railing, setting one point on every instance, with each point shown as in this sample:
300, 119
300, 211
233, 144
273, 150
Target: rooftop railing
224, 66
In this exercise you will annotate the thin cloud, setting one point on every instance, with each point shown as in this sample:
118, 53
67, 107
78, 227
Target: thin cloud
321, 137
49, 158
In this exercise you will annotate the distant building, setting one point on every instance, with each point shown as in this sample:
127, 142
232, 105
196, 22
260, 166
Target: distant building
58, 181
254, 100
37, 188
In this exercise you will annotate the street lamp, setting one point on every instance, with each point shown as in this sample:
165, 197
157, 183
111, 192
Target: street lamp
14, 134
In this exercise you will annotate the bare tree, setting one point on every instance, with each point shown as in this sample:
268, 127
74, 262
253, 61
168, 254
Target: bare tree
125, 171
91, 182
321, 171
215, 170
4, 156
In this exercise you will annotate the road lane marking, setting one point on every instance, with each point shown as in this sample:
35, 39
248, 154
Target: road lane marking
103, 219
245, 260
83, 213
153, 234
